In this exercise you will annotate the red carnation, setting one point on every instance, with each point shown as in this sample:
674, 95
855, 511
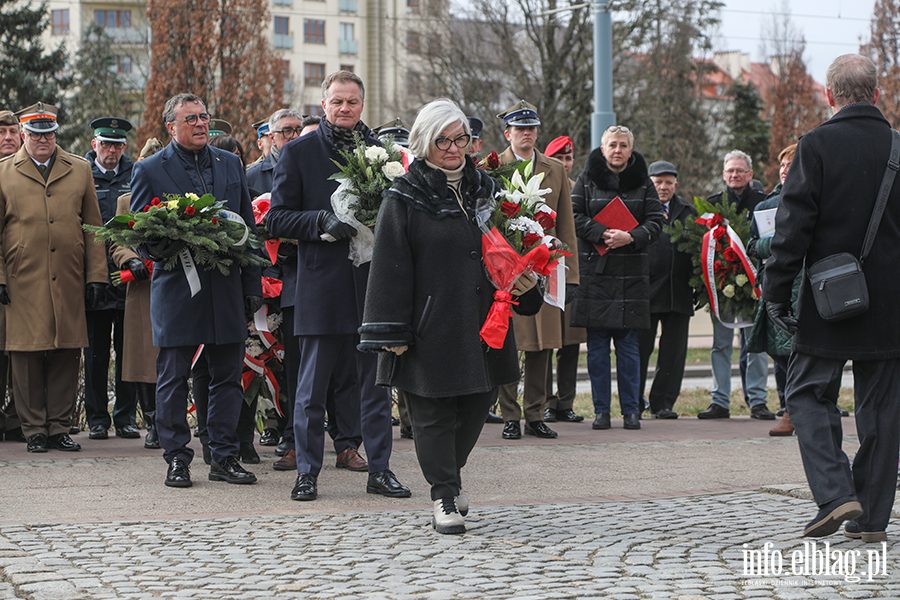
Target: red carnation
493, 161
155, 202
716, 220
545, 220
510, 209
730, 255
719, 233
530, 240
215, 221
130, 224
189, 211
147, 208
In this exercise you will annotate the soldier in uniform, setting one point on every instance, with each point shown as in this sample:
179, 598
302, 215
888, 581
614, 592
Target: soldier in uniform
539, 335
476, 125
111, 169
47, 264
396, 129
10, 140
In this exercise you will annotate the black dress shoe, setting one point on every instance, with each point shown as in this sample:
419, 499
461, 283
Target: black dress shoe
151, 440
601, 422
207, 455
248, 454
283, 447
761, 411
779, 412
493, 419
269, 437
179, 474
62, 441
74, 430
665, 414
512, 431
844, 413
230, 471
568, 416
714, 412
550, 415
632, 421
539, 429
99, 432
386, 484
128, 431
305, 487
406, 433
394, 421
37, 443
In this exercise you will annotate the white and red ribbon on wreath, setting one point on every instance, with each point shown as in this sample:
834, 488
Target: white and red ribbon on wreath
259, 366
708, 259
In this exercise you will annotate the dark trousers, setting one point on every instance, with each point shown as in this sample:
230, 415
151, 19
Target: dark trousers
781, 367
173, 367
333, 358
9, 420
246, 427
44, 387
100, 325
444, 431
534, 398
291, 368
566, 374
673, 344
817, 421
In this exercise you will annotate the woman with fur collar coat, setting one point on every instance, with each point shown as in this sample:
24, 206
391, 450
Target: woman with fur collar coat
613, 301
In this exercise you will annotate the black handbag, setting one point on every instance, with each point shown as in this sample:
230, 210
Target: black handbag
838, 282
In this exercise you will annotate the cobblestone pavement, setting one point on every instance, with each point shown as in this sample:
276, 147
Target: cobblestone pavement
675, 548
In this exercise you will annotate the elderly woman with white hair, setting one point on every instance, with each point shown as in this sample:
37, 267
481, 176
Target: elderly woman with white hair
428, 296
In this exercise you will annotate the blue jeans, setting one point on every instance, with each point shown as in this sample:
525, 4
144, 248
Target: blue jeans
628, 369
720, 356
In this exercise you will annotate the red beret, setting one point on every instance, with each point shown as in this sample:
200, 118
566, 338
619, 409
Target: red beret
561, 145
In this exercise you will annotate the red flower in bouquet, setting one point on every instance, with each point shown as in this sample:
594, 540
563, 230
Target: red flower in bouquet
720, 233
730, 255
545, 220
530, 239
189, 211
155, 202
492, 160
510, 209
718, 267
716, 219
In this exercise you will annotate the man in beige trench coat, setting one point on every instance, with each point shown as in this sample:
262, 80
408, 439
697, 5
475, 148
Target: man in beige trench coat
49, 268
539, 335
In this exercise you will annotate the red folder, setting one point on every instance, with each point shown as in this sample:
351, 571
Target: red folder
614, 216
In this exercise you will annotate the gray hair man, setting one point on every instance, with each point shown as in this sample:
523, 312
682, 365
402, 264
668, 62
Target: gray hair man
284, 125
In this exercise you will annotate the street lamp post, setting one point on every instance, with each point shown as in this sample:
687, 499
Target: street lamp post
603, 116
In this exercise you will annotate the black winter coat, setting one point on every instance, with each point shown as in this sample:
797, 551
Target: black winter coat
108, 191
826, 203
615, 288
428, 289
671, 269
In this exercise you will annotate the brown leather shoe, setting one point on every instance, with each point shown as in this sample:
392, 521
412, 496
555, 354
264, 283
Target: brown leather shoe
287, 463
350, 459
784, 428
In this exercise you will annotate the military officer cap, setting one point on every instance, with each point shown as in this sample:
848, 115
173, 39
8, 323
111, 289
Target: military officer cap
262, 128
662, 167
394, 128
520, 114
219, 127
8, 118
476, 126
561, 145
39, 118
111, 129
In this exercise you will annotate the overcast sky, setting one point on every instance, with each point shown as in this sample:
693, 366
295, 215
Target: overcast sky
830, 27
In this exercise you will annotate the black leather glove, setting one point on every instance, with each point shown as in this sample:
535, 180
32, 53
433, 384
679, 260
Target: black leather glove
164, 249
571, 288
137, 268
94, 294
327, 222
252, 304
782, 315
287, 249
4, 295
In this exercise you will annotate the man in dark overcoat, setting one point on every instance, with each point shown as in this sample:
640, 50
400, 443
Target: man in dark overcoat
330, 293
216, 316
284, 125
111, 169
826, 204
671, 298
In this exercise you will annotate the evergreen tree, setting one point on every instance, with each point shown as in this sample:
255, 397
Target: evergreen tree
749, 130
28, 74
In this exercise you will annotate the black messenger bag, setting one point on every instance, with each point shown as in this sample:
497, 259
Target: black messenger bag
838, 282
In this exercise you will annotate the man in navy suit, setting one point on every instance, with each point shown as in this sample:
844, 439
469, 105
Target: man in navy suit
215, 316
330, 293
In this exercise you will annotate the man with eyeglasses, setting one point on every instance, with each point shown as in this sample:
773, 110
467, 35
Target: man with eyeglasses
329, 295
111, 169
215, 316
284, 126
737, 173
538, 336
47, 265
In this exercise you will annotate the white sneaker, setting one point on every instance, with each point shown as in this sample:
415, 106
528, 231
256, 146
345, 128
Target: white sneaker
462, 502
446, 518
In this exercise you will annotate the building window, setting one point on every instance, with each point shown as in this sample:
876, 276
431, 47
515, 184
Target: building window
313, 31
434, 45
412, 6
287, 3
346, 36
113, 19
313, 73
283, 38
61, 21
347, 68
413, 84
314, 110
435, 7
348, 6
413, 42
288, 81
124, 65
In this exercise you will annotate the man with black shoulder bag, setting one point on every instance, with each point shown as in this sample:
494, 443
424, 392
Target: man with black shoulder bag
838, 198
